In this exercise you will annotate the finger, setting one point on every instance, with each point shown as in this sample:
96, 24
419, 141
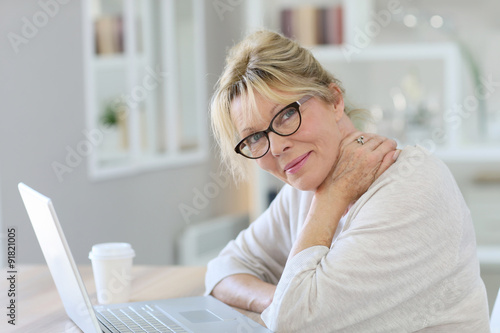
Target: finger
388, 160
376, 140
373, 141
362, 139
380, 145
353, 137
386, 145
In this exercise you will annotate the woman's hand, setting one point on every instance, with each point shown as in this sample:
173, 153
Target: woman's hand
359, 165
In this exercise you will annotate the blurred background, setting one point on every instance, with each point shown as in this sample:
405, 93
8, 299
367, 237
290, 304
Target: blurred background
105, 110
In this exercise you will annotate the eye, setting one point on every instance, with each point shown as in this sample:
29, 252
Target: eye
284, 116
254, 138
289, 113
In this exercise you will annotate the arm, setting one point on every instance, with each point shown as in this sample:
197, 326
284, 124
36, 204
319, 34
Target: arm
247, 270
356, 169
245, 291
257, 257
398, 263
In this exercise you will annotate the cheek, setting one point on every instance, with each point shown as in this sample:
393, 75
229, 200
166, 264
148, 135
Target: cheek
269, 164
266, 163
324, 136
326, 139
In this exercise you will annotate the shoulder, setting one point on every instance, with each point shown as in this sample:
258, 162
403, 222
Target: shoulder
417, 184
416, 161
417, 171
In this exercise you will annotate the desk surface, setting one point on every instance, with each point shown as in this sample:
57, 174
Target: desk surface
39, 308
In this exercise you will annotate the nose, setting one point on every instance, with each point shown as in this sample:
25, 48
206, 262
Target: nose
278, 144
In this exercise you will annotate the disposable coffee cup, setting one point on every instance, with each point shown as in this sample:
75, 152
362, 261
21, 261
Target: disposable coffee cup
112, 266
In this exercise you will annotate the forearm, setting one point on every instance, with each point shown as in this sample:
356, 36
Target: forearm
245, 291
322, 220
356, 169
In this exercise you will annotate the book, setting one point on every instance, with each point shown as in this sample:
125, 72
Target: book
286, 24
311, 25
305, 25
109, 35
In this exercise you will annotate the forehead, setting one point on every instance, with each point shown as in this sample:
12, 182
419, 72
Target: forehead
250, 114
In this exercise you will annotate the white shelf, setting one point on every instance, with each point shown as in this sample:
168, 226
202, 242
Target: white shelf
145, 80
386, 52
489, 255
129, 166
470, 155
116, 61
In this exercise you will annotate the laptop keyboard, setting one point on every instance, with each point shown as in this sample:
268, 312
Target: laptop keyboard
137, 319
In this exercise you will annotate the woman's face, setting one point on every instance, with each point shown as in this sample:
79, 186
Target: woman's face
305, 158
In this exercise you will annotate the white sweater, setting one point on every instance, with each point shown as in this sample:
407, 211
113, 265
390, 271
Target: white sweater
402, 260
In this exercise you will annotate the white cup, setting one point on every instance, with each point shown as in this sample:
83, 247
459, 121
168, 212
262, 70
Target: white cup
112, 266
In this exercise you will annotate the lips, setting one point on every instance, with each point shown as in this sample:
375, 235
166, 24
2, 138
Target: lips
297, 163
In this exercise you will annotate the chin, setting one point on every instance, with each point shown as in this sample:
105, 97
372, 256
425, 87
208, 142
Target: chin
306, 189
305, 185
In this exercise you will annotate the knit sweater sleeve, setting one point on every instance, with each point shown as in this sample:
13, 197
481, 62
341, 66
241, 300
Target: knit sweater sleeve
260, 250
404, 260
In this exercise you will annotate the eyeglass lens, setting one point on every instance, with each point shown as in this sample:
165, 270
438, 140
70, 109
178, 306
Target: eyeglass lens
286, 122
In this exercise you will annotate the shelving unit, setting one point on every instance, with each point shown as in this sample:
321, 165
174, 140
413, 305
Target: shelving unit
144, 84
416, 86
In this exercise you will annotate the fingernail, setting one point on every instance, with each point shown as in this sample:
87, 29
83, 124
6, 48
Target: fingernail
396, 154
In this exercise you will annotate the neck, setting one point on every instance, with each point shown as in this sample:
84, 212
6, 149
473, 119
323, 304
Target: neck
346, 127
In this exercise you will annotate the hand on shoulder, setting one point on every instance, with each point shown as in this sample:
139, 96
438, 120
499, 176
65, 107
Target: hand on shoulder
362, 158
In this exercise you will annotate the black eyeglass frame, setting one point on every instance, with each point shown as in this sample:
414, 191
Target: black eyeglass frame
296, 105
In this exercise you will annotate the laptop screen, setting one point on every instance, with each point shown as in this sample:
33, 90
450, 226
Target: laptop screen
59, 259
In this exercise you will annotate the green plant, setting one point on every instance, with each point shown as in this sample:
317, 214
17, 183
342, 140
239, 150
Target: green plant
112, 112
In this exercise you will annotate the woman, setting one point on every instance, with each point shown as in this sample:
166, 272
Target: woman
359, 239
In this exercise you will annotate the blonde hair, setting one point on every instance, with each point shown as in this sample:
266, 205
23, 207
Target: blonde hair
275, 67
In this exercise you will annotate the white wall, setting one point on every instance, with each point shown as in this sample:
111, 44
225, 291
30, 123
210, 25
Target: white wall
42, 113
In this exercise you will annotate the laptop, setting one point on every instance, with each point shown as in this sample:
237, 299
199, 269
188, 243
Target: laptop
187, 314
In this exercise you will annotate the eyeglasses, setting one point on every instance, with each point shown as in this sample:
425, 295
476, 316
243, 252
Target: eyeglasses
284, 123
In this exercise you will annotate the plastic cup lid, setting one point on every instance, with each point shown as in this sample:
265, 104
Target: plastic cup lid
112, 251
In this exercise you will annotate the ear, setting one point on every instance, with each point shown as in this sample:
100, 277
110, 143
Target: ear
338, 106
